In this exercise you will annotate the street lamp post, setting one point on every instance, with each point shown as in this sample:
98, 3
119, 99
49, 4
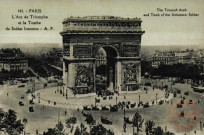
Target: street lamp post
156, 97
38, 97
66, 94
116, 100
124, 127
63, 90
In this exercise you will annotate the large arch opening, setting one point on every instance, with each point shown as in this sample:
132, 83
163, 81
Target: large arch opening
105, 68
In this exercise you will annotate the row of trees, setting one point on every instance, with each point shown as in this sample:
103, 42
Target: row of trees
180, 71
150, 128
42, 68
98, 129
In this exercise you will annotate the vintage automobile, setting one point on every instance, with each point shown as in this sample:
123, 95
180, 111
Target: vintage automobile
182, 101
86, 108
95, 108
21, 86
104, 98
21, 103
146, 105
22, 97
126, 119
179, 105
190, 101
178, 91
85, 114
31, 109
133, 105
161, 102
105, 120
114, 108
97, 100
28, 91
182, 114
175, 94
140, 104
186, 93
31, 102
104, 108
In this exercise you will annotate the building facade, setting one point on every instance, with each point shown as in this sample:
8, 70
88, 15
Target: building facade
163, 60
12, 60
119, 37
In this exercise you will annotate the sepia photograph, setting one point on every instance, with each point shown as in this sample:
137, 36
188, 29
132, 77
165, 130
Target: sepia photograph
101, 67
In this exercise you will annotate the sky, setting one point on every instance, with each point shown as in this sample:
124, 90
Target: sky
159, 30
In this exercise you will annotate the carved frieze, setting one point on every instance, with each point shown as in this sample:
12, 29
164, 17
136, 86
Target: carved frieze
82, 50
131, 50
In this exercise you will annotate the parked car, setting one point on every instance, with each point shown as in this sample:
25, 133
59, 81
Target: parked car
114, 108
161, 102
104, 98
186, 93
182, 114
178, 91
105, 120
127, 120
21, 86
85, 114
175, 94
133, 105
28, 91
21, 103
95, 108
182, 101
22, 97
179, 105
146, 105
86, 108
104, 108
31, 102
31, 109
97, 100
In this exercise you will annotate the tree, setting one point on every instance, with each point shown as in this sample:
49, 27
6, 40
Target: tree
81, 131
51, 131
59, 126
158, 131
100, 130
90, 120
149, 127
11, 124
57, 130
71, 120
137, 121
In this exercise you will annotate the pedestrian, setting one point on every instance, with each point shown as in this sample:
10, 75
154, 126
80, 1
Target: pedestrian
7, 94
65, 112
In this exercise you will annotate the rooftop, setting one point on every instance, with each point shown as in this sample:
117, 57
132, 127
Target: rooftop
98, 18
